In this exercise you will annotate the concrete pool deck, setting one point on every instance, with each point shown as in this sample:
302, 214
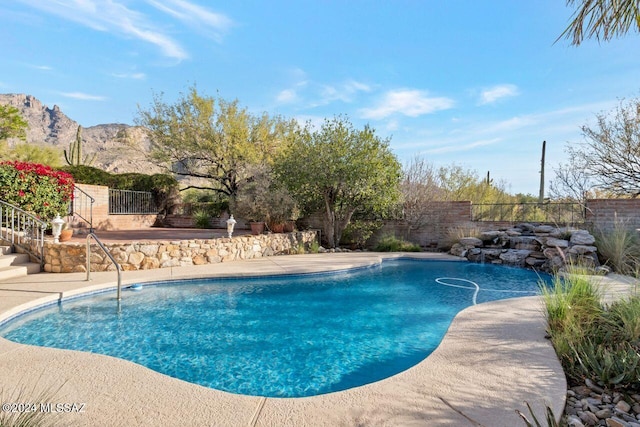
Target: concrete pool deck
493, 359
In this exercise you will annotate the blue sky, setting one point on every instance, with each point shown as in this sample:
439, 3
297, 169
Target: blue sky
476, 83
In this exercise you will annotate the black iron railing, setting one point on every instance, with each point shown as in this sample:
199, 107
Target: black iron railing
127, 202
82, 206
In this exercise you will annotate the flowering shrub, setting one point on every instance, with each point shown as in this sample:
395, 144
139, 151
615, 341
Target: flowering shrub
36, 188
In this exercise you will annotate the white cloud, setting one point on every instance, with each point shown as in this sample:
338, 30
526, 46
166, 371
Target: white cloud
114, 16
355, 86
392, 125
42, 67
287, 96
83, 96
495, 93
453, 148
344, 92
555, 125
316, 94
134, 76
409, 102
214, 24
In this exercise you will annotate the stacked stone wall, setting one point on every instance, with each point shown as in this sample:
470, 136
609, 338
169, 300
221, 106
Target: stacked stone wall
71, 257
538, 246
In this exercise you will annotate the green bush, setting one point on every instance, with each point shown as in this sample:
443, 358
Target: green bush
314, 247
36, 188
202, 219
358, 232
89, 175
123, 181
393, 244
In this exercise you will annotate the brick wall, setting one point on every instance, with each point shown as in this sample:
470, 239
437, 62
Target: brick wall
603, 213
442, 216
101, 218
435, 226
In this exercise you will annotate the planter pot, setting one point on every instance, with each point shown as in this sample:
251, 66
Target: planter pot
65, 235
277, 227
257, 228
289, 226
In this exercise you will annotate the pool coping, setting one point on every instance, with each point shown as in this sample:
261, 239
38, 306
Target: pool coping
493, 358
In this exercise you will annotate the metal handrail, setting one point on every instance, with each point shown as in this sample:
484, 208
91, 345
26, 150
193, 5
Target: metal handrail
113, 260
77, 206
22, 229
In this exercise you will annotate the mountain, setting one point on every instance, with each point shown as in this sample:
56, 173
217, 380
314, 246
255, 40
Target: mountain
50, 126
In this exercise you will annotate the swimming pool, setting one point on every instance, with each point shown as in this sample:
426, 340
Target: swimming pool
286, 336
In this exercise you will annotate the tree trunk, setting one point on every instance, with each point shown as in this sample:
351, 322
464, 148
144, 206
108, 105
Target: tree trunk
340, 225
329, 222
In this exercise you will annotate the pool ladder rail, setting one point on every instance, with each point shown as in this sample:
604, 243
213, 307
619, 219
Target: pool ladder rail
113, 260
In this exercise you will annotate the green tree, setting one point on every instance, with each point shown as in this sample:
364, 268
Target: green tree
12, 125
340, 170
34, 153
602, 19
213, 139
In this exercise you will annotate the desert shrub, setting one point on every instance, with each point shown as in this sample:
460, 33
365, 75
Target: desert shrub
619, 247
393, 244
454, 234
36, 188
202, 219
314, 247
591, 339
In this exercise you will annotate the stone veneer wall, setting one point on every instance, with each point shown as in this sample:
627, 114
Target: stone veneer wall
71, 257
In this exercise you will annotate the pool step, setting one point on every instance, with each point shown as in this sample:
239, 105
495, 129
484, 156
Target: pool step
15, 265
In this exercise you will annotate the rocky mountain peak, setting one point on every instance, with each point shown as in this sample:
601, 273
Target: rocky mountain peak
50, 126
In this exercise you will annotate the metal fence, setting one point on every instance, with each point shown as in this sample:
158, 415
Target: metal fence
82, 206
127, 202
22, 229
551, 212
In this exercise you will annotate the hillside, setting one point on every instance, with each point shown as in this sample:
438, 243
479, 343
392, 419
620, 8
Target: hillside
51, 126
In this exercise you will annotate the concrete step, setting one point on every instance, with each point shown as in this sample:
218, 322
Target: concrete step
13, 260
4, 250
13, 271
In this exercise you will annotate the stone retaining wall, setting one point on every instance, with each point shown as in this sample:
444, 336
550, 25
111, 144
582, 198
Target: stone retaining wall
71, 257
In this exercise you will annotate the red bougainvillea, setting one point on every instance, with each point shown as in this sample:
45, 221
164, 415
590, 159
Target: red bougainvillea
36, 188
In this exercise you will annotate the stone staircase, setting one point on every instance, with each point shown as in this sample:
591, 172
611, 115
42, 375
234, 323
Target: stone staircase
14, 265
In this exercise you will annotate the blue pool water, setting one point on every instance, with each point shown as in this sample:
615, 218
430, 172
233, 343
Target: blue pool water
286, 336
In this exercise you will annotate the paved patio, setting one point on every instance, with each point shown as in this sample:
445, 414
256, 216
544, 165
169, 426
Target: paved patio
493, 359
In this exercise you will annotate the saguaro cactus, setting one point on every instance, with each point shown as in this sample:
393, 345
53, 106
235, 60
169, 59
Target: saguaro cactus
74, 157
